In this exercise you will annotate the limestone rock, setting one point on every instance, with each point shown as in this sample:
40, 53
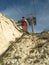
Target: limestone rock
8, 32
28, 50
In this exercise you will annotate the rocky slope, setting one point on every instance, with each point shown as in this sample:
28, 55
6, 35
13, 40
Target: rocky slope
30, 49
21, 48
8, 32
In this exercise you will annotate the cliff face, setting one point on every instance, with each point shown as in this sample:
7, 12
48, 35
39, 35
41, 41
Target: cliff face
28, 50
8, 32
23, 48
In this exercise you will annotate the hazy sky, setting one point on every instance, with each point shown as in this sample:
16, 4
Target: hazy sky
17, 8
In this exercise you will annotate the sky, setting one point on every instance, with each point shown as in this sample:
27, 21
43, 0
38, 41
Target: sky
15, 9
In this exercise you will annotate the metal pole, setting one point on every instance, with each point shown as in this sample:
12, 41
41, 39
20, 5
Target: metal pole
32, 25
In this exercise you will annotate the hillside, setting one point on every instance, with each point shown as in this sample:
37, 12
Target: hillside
8, 32
22, 48
30, 49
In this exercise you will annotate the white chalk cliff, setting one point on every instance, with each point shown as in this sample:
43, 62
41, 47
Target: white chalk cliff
25, 48
8, 33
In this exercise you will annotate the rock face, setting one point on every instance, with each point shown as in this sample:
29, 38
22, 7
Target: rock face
8, 32
28, 50
24, 49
